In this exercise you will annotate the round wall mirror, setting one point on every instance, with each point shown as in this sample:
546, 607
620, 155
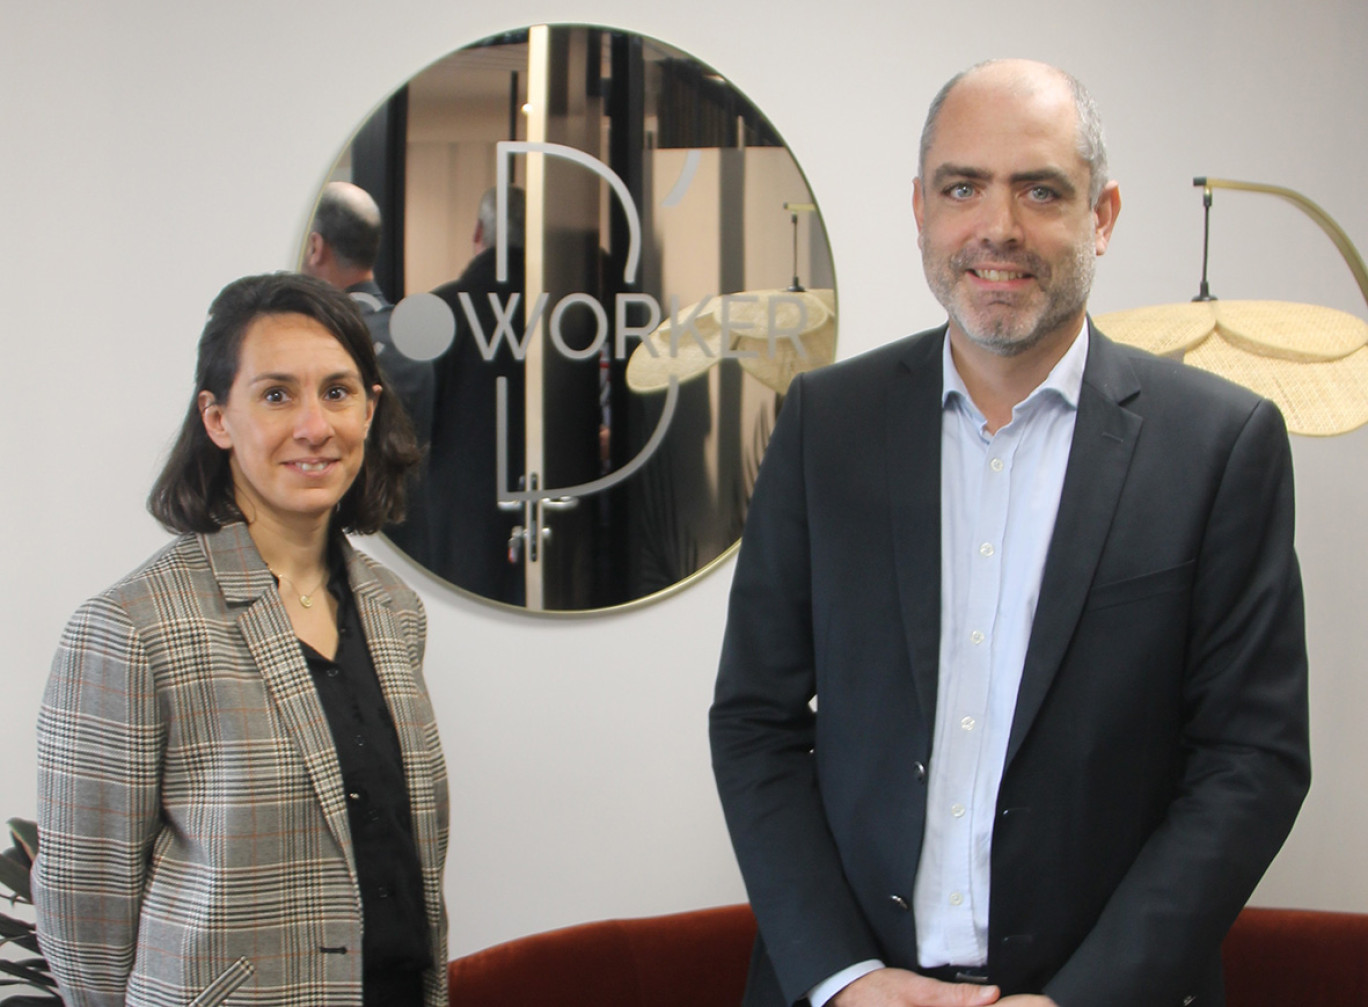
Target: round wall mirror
599, 268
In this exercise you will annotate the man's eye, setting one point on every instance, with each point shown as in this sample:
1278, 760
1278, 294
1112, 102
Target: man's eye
960, 190
1042, 193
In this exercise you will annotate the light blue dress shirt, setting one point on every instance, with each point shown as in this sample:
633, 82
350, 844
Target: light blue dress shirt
999, 498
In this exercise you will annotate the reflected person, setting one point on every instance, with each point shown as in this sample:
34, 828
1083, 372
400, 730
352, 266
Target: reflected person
469, 535
241, 790
344, 240
343, 243
1043, 590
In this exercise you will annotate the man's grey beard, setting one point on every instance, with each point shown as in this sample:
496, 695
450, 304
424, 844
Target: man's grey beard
1002, 337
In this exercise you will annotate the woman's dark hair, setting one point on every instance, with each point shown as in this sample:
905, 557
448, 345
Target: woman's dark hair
195, 490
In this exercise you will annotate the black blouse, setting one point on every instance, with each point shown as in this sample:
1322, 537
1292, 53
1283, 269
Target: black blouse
394, 918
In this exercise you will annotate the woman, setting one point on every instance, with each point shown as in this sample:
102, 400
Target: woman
242, 797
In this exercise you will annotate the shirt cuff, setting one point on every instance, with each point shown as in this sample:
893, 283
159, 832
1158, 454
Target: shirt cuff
828, 988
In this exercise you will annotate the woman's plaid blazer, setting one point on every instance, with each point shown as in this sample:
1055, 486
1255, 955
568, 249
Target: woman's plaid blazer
192, 818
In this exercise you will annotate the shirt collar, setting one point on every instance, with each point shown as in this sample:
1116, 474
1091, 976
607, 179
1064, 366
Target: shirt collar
1065, 378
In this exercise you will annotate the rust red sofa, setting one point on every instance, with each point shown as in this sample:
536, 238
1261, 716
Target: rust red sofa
1273, 958
1291, 957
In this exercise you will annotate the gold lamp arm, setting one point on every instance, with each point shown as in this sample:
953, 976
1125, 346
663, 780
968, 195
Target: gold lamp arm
1312, 210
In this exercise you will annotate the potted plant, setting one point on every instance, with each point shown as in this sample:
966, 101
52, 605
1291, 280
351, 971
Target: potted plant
31, 972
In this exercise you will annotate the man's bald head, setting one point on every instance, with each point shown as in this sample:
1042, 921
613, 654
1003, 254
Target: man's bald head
1028, 76
349, 221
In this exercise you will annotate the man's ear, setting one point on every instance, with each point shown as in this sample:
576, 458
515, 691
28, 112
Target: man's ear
918, 204
211, 412
1105, 212
316, 251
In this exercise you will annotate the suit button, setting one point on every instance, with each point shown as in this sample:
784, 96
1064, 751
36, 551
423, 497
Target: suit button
921, 771
1188, 1000
900, 902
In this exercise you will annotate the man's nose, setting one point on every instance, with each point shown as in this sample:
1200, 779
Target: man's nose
1000, 223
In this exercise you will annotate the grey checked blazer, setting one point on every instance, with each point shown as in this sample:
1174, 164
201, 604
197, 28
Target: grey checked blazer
195, 846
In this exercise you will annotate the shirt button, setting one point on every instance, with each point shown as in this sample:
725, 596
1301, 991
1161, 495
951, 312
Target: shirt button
957, 810
976, 637
360, 740
383, 891
995, 464
986, 549
334, 671
967, 723
956, 899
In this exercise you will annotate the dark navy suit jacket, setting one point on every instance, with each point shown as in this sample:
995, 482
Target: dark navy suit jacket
1158, 754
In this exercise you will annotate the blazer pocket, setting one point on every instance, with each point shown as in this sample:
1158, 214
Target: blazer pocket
222, 988
1147, 585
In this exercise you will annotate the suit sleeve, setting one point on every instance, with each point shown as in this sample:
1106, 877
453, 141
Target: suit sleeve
763, 729
100, 741
1247, 766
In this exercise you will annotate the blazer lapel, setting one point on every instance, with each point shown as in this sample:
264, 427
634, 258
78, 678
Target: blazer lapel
912, 454
1104, 439
247, 583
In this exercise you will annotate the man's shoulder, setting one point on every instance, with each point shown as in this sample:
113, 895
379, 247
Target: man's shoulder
882, 363
1168, 383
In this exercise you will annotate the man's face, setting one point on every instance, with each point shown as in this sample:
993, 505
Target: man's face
1007, 235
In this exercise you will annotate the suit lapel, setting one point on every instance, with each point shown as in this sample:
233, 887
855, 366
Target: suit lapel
246, 583
1104, 439
912, 453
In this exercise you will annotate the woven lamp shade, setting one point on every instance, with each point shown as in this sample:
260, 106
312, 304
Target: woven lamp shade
1310, 360
749, 316
678, 355
776, 367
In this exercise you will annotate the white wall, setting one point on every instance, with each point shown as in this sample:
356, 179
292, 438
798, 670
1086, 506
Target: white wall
150, 151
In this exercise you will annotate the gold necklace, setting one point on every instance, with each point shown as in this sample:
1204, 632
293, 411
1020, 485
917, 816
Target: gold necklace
305, 597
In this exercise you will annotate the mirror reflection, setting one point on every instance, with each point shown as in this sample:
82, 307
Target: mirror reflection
591, 268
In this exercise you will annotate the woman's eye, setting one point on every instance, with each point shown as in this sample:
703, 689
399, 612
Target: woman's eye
337, 393
275, 396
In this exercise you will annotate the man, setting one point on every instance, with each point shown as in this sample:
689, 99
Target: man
471, 547
344, 240
1043, 591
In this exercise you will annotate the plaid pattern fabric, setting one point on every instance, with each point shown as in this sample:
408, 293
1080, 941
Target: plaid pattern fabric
195, 846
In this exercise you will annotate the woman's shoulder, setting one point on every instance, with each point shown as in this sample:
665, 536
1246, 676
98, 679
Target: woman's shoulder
184, 555
167, 583
367, 572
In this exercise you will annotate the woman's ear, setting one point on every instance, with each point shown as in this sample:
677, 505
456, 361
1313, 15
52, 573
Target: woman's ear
212, 414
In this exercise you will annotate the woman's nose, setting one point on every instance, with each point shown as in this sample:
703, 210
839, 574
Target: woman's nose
311, 422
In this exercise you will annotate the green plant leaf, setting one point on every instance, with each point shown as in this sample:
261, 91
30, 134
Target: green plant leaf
31, 970
15, 876
18, 932
25, 834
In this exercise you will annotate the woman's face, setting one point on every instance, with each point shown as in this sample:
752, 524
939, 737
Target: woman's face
295, 421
